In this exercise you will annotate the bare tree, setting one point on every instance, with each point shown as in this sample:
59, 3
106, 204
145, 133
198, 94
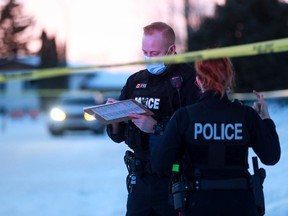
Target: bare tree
13, 31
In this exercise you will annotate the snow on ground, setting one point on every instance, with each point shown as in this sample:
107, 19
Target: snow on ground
78, 174
82, 174
275, 185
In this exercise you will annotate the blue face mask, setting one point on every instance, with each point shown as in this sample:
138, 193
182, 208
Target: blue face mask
155, 68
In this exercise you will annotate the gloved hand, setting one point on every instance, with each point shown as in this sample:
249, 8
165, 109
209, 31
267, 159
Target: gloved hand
260, 106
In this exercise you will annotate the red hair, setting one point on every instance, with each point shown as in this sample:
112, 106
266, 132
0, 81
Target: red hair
216, 74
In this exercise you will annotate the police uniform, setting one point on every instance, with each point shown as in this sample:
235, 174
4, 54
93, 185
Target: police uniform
213, 137
162, 94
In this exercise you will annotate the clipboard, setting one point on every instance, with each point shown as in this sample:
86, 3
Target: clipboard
117, 112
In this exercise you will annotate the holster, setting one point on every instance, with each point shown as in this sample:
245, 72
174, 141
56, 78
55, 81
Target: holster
133, 164
180, 190
257, 186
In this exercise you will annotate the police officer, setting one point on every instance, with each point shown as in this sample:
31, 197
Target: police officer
163, 89
213, 137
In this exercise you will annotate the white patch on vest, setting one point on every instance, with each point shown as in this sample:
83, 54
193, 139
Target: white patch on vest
150, 103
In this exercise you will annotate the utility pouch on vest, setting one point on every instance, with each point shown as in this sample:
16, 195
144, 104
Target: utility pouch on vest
179, 188
179, 191
257, 185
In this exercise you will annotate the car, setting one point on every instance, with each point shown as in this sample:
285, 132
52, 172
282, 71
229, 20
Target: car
67, 113
110, 94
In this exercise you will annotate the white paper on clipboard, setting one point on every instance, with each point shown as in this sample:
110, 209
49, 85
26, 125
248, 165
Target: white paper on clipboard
116, 112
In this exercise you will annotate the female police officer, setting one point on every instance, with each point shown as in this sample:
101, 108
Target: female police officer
213, 137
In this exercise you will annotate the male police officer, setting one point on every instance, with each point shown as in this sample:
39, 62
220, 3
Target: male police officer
163, 89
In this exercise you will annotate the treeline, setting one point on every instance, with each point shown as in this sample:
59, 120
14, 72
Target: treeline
247, 21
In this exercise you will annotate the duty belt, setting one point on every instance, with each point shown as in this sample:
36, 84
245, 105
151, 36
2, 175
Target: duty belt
221, 184
138, 166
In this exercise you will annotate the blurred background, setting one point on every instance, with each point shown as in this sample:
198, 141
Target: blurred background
54, 160
39, 34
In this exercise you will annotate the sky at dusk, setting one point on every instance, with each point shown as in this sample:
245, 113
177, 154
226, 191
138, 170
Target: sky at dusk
110, 31
107, 32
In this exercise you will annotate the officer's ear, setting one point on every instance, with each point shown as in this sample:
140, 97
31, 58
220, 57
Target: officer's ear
172, 49
199, 83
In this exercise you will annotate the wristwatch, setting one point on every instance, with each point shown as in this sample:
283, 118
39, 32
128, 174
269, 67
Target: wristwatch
158, 129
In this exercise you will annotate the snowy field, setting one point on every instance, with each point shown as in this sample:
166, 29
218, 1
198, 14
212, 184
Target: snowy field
82, 174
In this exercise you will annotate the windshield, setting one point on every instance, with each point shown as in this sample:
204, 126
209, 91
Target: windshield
79, 101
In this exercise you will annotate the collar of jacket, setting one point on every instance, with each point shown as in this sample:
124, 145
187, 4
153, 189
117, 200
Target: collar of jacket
213, 99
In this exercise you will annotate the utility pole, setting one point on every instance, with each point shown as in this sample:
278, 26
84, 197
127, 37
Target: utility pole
187, 10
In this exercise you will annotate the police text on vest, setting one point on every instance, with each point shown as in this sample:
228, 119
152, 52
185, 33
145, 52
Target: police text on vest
151, 103
218, 131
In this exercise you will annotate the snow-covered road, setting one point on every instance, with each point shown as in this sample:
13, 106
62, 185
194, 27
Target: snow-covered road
78, 174
82, 174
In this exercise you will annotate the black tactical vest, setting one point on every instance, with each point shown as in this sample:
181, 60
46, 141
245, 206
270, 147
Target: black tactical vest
217, 139
159, 95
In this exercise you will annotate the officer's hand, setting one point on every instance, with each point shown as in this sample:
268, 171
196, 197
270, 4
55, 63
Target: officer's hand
144, 122
114, 125
261, 106
111, 100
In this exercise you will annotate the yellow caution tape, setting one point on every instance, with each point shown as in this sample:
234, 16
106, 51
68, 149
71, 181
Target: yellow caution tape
56, 92
50, 92
267, 95
272, 46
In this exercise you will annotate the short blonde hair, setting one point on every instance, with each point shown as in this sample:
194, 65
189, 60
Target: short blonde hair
166, 30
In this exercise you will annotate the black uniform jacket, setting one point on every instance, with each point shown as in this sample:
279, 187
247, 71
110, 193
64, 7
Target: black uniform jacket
213, 136
163, 94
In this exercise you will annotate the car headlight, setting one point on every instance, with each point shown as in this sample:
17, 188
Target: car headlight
88, 117
57, 114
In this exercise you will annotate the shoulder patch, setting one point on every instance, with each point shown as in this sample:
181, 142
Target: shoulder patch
141, 85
